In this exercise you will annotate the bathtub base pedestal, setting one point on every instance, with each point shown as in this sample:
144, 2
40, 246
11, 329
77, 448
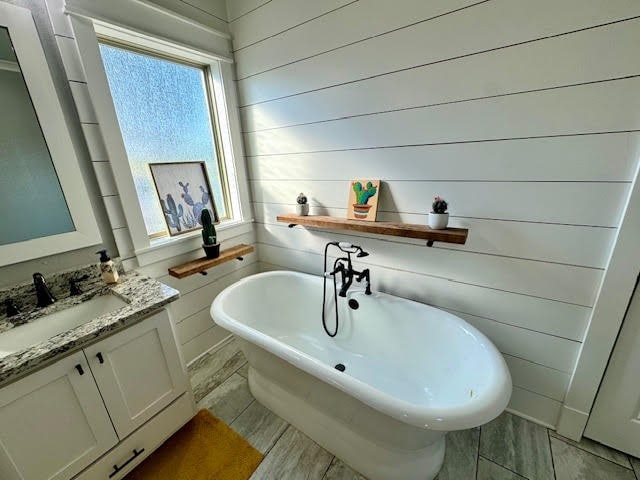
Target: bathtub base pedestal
416, 454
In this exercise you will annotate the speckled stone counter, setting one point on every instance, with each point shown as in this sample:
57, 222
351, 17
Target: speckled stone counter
143, 296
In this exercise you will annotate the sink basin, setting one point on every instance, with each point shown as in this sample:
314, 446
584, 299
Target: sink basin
23, 336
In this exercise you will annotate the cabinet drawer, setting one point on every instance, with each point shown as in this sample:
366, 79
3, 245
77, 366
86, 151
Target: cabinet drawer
144, 440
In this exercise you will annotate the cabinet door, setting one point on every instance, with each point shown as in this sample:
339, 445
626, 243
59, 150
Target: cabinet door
53, 423
138, 372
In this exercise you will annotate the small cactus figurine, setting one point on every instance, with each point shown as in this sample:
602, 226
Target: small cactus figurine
209, 237
302, 207
438, 218
439, 205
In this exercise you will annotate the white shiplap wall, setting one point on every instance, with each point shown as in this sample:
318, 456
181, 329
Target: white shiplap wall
196, 331
525, 115
212, 13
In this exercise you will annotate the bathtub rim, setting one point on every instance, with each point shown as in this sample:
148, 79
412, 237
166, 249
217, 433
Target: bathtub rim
485, 408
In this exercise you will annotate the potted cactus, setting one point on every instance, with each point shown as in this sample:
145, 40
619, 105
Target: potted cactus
302, 207
438, 218
361, 208
209, 237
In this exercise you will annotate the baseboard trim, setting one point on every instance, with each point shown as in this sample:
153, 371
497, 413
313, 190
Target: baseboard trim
212, 349
572, 423
518, 413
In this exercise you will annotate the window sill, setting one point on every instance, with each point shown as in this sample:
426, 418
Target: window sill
162, 249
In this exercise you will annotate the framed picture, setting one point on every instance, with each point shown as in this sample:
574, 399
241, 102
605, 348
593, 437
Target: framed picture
363, 200
184, 191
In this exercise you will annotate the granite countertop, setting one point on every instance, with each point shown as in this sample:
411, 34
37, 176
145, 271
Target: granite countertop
143, 296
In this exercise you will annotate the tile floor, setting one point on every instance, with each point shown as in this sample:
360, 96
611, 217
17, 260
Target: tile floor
509, 448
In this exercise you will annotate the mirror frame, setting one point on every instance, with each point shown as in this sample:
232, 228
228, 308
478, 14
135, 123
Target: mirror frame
37, 76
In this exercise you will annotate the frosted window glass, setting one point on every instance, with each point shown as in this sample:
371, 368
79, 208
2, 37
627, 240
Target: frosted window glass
163, 112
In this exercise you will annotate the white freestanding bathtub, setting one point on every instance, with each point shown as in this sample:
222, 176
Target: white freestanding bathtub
412, 372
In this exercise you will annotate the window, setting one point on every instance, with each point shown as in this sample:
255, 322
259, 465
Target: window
166, 111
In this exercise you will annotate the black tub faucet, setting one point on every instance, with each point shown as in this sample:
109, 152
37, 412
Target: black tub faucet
344, 267
44, 296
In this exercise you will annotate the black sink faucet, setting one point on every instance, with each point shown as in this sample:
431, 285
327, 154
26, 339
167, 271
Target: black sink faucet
44, 296
11, 307
74, 287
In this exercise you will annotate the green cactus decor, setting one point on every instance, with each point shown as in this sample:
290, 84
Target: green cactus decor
363, 200
439, 205
363, 195
172, 213
209, 236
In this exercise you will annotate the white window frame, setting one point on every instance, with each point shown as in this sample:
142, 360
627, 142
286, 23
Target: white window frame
87, 27
218, 111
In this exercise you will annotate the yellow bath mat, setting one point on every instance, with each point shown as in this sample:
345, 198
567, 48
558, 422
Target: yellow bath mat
204, 449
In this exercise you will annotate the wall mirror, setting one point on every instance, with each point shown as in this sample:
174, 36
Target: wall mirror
44, 205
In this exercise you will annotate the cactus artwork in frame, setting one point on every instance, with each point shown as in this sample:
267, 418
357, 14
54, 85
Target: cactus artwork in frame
183, 192
363, 200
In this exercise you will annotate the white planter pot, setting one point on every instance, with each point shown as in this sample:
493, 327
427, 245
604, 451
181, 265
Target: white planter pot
438, 221
302, 209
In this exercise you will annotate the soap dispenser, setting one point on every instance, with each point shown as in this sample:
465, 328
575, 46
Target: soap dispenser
108, 268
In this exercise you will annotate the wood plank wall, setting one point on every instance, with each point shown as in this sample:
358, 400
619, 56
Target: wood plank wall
212, 13
196, 331
523, 114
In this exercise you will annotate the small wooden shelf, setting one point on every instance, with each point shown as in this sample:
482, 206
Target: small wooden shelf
408, 230
204, 263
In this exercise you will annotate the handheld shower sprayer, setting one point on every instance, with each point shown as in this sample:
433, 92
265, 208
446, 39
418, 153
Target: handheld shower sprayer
343, 267
350, 248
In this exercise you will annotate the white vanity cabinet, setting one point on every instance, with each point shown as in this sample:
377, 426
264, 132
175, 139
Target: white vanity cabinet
98, 412
138, 372
53, 423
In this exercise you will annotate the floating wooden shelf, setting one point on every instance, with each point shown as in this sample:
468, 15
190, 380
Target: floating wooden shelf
408, 230
204, 263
